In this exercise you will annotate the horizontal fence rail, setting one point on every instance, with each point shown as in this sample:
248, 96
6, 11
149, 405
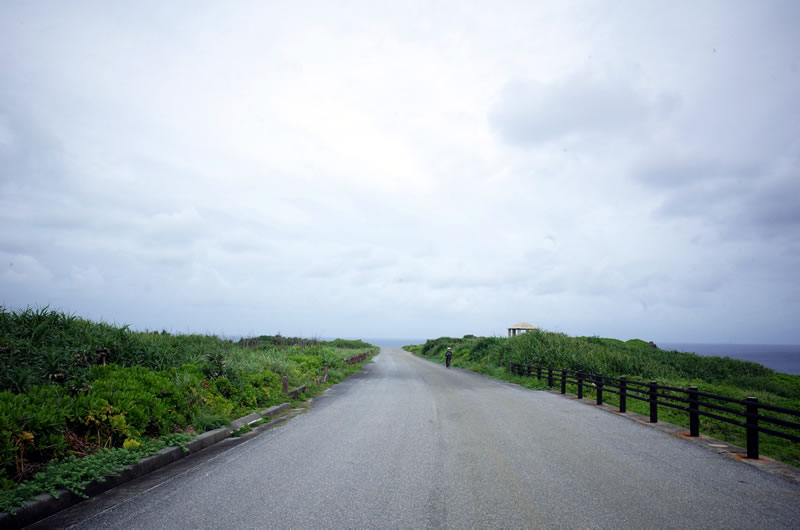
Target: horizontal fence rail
357, 358
747, 413
295, 392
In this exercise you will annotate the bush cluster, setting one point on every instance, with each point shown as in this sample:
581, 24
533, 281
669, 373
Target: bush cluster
279, 340
121, 405
45, 346
72, 473
633, 358
72, 387
348, 344
275, 340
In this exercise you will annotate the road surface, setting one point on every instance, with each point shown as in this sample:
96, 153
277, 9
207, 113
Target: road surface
412, 444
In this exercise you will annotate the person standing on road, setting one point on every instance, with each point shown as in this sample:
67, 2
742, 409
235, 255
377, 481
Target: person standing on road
448, 356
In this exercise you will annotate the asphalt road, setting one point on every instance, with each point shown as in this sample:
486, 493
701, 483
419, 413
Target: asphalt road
412, 444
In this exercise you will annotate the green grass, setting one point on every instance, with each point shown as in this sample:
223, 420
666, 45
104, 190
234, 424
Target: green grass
637, 360
244, 429
70, 387
73, 474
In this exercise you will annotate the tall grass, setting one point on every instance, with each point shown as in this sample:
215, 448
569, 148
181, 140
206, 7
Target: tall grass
634, 358
43, 345
70, 386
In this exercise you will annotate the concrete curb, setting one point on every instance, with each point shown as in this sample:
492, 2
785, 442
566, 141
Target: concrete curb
45, 505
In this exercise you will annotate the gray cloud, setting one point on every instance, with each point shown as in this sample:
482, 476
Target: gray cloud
678, 173
30, 157
741, 202
775, 206
531, 112
380, 172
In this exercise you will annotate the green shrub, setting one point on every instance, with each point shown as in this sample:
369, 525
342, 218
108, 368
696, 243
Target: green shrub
70, 387
74, 473
32, 428
206, 420
129, 402
483, 347
42, 345
308, 364
348, 344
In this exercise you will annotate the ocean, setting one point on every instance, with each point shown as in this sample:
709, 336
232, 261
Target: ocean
780, 357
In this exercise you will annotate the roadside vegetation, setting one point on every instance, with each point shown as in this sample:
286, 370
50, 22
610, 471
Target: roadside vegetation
638, 360
79, 398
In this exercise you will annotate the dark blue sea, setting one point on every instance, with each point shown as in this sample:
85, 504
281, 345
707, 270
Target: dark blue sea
780, 357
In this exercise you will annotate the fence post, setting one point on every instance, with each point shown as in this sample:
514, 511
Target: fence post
580, 384
653, 402
550, 377
599, 382
529, 368
694, 412
563, 381
752, 427
623, 394
285, 381
538, 372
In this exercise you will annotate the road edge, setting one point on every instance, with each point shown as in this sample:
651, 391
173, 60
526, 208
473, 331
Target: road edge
765, 464
45, 504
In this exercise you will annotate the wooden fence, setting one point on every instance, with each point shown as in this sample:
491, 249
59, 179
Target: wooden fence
358, 358
295, 392
751, 416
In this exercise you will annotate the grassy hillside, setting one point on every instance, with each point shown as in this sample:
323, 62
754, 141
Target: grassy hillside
637, 360
72, 388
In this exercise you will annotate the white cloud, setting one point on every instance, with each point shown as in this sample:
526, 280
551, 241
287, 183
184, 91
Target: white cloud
619, 169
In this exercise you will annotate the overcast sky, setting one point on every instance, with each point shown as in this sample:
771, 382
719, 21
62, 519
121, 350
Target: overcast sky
402, 169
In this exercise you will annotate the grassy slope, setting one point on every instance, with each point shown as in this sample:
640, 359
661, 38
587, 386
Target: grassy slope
70, 387
637, 360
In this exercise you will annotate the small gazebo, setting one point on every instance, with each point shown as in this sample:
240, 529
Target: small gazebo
516, 329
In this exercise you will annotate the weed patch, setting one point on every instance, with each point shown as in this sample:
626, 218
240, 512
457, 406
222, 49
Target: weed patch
73, 473
77, 396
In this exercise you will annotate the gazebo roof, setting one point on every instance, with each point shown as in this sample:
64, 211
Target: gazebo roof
522, 325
